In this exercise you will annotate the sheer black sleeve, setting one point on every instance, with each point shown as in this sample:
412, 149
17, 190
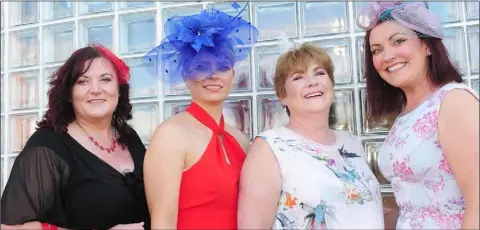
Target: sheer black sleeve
33, 189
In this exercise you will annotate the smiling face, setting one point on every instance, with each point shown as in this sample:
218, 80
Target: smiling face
399, 56
210, 78
310, 91
95, 93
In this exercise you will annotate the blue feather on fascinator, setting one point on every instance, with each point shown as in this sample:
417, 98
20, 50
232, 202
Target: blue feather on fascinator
197, 46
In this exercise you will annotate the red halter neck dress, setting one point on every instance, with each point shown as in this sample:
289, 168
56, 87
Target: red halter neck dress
209, 189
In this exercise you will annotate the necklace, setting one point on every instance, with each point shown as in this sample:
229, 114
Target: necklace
110, 149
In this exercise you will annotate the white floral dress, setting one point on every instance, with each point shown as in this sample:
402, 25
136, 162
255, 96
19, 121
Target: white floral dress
324, 187
412, 160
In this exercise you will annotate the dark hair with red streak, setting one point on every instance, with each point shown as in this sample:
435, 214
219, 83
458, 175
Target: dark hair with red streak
60, 109
385, 100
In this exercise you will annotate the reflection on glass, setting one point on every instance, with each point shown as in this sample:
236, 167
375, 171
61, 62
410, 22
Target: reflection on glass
241, 80
379, 127
472, 10
236, 112
29, 12
24, 49
454, 41
1, 94
360, 58
339, 51
274, 19
388, 201
475, 84
21, 128
266, 60
271, 113
137, 32
57, 9
371, 150
11, 160
2, 22
324, 18
24, 90
95, 7
358, 6
47, 76
2, 128
145, 120
2, 47
227, 8
447, 11
142, 83
343, 108
473, 46
59, 42
131, 5
180, 11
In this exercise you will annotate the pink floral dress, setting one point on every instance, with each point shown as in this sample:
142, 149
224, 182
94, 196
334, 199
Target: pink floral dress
411, 158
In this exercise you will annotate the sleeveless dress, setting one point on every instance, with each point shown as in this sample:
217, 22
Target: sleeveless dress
209, 189
324, 187
412, 160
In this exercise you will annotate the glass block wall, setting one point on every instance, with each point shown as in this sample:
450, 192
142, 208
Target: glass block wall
37, 37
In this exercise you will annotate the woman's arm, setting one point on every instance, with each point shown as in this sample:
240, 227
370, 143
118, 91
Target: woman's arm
390, 217
458, 134
163, 168
260, 187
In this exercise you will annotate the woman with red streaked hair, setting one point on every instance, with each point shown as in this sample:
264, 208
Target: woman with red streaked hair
82, 168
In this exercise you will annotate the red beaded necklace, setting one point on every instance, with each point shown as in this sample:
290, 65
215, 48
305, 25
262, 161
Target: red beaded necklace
110, 149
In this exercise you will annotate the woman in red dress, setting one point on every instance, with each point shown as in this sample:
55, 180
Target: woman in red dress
192, 165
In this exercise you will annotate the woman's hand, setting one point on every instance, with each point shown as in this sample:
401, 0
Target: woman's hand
128, 226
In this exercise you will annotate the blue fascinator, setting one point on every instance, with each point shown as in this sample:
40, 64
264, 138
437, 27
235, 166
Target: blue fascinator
197, 46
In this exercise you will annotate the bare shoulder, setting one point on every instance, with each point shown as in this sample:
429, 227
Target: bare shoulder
242, 139
459, 97
172, 130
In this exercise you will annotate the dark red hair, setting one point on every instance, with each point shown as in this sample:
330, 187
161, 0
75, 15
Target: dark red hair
60, 109
385, 100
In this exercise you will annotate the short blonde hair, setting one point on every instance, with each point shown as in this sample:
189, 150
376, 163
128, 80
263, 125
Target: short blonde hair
296, 61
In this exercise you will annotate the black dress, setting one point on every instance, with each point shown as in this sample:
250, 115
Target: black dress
57, 181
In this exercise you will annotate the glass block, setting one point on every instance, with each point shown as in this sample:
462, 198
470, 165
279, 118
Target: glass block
11, 161
447, 11
242, 80
98, 30
473, 47
371, 150
321, 18
237, 113
2, 128
24, 90
381, 127
475, 84
137, 32
2, 15
271, 113
142, 83
274, 19
22, 126
472, 10
22, 13
145, 120
455, 43
24, 48
339, 51
266, 60
95, 7
343, 111
2, 44
360, 58
180, 11
357, 7
47, 77
135, 4
57, 10
227, 8
58, 42
2, 106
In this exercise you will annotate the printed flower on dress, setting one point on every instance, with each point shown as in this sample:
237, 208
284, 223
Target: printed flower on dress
427, 125
401, 169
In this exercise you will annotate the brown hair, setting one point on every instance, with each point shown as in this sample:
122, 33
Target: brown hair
296, 61
385, 100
